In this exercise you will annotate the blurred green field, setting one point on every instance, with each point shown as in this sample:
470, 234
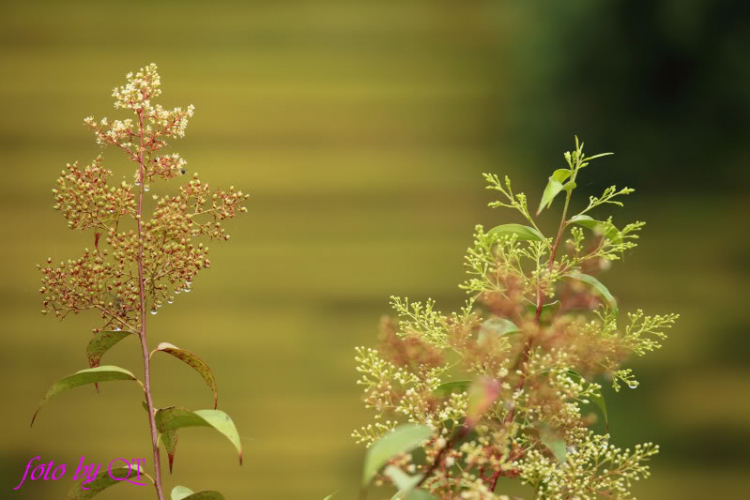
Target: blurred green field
360, 130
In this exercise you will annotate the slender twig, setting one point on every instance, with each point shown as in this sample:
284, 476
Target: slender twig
143, 312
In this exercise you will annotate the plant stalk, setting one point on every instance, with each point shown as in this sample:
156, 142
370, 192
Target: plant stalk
142, 333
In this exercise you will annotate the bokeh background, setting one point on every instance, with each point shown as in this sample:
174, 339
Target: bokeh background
361, 129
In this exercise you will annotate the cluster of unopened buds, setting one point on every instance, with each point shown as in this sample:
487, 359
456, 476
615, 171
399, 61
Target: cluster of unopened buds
106, 278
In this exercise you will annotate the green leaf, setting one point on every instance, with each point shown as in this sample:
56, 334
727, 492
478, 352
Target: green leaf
420, 495
597, 399
523, 233
497, 326
83, 377
180, 492
612, 233
599, 289
587, 222
553, 442
548, 311
101, 343
402, 440
554, 186
169, 439
449, 388
184, 493
105, 479
403, 481
194, 362
171, 419
329, 497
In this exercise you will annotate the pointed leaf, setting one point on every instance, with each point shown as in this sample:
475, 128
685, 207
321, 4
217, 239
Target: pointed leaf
523, 233
402, 440
449, 388
105, 479
587, 222
169, 439
497, 326
553, 188
329, 497
101, 343
194, 362
599, 289
83, 377
184, 493
597, 399
169, 419
403, 481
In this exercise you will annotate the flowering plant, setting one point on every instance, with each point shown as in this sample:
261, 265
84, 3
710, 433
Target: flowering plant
140, 260
504, 387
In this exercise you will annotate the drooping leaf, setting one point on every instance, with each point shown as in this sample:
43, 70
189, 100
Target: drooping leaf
523, 233
169, 439
101, 343
171, 419
553, 188
599, 289
449, 388
184, 493
482, 394
105, 479
587, 222
597, 399
401, 440
497, 326
403, 481
105, 373
194, 362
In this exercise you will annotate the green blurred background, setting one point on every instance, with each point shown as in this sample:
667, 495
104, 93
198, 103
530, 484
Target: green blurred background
361, 130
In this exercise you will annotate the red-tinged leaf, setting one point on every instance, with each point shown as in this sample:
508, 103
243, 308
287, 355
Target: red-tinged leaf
194, 362
169, 439
482, 394
171, 419
100, 344
83, 377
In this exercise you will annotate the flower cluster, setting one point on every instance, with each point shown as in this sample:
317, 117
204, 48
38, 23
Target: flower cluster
126, 241
507, 386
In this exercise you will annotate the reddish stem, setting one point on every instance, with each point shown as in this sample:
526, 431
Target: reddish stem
142, 335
